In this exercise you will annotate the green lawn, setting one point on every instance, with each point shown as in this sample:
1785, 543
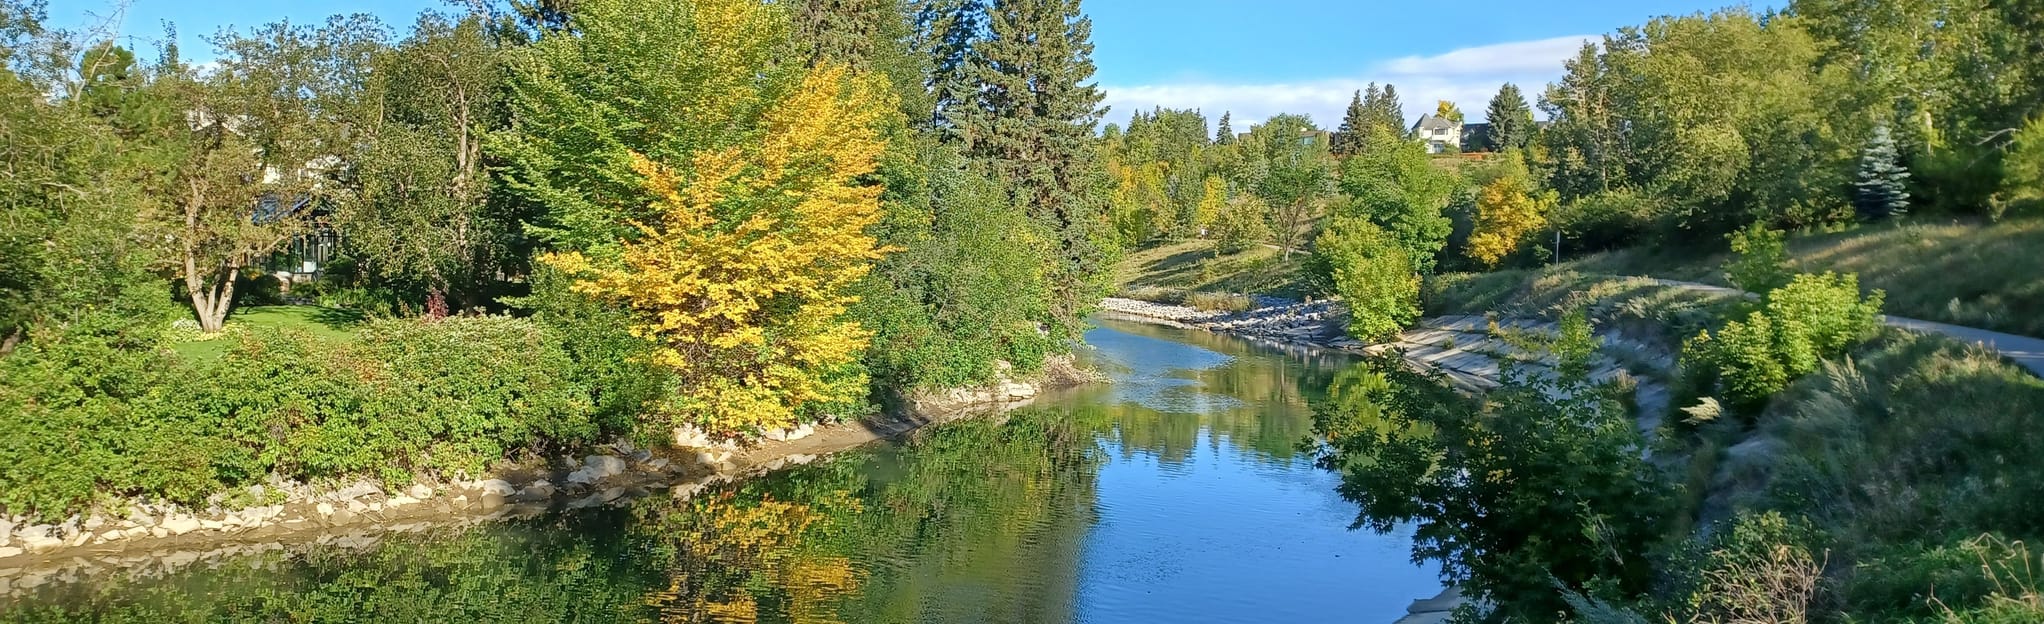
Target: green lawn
328, 323
1191, 266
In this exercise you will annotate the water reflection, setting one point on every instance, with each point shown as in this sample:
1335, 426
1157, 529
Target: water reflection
1176, 493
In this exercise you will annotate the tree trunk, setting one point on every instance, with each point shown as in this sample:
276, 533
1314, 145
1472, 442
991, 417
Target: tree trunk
210, 303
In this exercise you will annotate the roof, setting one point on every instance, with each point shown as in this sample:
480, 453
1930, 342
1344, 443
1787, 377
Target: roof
1434, 122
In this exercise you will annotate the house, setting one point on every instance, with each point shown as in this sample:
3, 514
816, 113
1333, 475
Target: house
1440, 133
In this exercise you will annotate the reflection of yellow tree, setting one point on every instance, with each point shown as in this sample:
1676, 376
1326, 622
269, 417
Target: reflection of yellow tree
731, 548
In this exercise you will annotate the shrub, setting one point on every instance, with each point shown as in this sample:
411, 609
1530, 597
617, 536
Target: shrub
1761, 570
1223, 302
1812, 317
1373, 273
1241, 224
1606, 220
1759, 259
82, 419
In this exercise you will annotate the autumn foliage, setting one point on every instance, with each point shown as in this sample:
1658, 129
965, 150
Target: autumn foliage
743, 279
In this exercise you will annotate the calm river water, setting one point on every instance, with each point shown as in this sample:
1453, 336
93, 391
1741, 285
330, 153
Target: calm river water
1175, 494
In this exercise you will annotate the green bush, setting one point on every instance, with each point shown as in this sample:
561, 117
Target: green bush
82, 418
1373, 273
1760, 259
1606, 220
1241, 224
1810, 318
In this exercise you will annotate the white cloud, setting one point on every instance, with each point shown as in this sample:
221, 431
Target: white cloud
1468, 77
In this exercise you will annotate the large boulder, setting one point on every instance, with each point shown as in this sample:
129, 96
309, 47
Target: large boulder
596, 468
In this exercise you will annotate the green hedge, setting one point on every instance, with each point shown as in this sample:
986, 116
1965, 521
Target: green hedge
80, 419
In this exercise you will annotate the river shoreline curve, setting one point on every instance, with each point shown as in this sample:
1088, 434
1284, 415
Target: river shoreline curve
162, 538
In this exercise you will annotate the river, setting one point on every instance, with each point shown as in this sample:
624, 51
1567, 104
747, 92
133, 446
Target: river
1176, 493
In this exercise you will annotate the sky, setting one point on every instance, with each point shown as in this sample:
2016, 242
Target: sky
1254, 58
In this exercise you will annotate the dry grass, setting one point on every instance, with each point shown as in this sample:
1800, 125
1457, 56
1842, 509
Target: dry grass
1192, 266
1223, 302
1987, 275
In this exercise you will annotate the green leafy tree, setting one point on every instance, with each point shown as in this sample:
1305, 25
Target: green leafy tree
1541, 485
1883, 187
1291, 172
1813, 317
1510, 119
245, 168
420, 213
1395, 184
1242, 223
1374, 274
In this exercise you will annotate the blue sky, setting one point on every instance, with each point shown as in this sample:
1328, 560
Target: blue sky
1253, 57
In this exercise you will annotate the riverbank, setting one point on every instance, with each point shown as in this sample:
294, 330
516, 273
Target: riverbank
163, 537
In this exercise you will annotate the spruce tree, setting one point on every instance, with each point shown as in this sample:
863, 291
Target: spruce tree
1226, 134
1510, 118
944, 33
1390, 112
1029, 120
1882, 190
1348, 139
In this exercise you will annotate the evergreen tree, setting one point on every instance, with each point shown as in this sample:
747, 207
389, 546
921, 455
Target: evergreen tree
1389, 111
1348, 139
1510, 118
1226, 135
1029, 120
1882, 189
944, 33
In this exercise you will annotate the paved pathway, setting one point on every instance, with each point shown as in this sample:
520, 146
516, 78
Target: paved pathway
2024, 350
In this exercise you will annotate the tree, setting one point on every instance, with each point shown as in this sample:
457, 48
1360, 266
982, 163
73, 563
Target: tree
1374, 274
1290, 172
1395, 185
420, 213
1355, 125
1510, 119
1447, 110
744, 280
1882, 190
1226, 134
1241, 224
1029, 120
1508, 210
1540, 484
686, 174
1388, 112
246, 169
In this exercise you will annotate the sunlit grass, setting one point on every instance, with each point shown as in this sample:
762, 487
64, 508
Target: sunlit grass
322, 322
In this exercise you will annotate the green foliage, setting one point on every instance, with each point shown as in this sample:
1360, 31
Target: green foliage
1883, 188
1243, 223
1759, 261
952, 305
1510, 119
1395, 184
87, 418
1373, 272
2023, 167
1811, 318
1028, 119
1291, 170
1539, 492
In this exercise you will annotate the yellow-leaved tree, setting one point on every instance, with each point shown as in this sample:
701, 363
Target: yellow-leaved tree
742, 276
1508, 210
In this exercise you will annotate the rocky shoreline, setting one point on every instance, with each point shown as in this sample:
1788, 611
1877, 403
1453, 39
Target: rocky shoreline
163, 537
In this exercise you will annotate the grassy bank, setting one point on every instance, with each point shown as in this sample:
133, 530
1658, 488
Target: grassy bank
1911, 464
1972, 273
1194, 266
